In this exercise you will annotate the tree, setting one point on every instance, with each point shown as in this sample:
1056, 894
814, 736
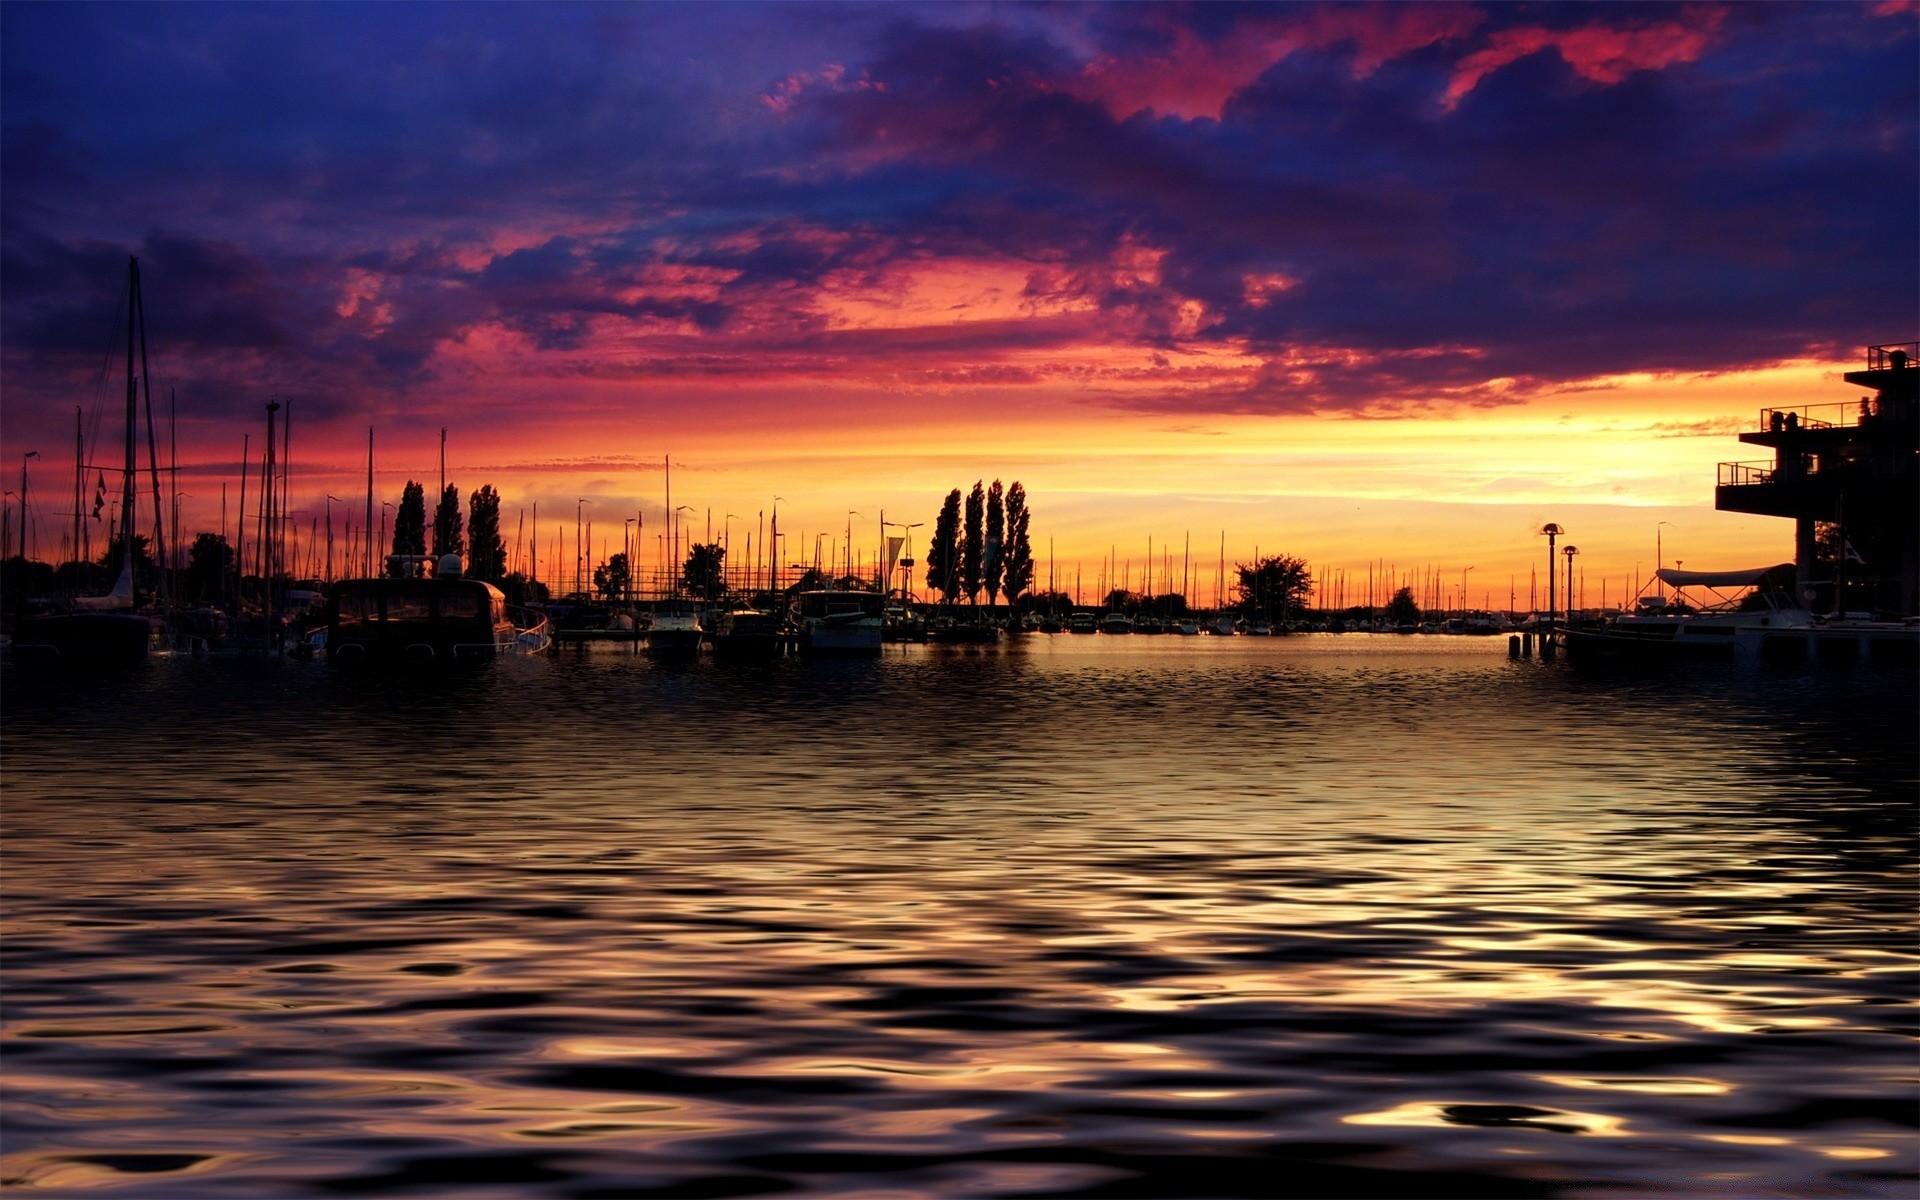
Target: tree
812, 580
410, 521
1122, 600
943, 556
611, 577
447, 537
144, 572
1019, 551
1274, 586
1402, 610
486, 549
996, 563
209, 562
973, 547
705, 571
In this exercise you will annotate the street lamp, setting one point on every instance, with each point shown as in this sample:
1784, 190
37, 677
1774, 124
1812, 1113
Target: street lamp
1658, 559
1463, 592
627, 548
679, 568
726, 544
773, 558
579, 510
850, 516
906, 564
23, 502
1570, 551
1552, 531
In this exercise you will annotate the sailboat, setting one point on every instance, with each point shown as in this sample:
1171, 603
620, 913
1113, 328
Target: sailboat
103, 630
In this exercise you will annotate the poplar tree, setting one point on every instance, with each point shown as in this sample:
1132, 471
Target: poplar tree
410, 521
447, 524
996, 564
974, 548
943, 555
1019, 550
486, 549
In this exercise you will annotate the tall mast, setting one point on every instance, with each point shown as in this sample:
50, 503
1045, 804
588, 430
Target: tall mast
127, 488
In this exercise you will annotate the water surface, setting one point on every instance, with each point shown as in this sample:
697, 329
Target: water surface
1316, 916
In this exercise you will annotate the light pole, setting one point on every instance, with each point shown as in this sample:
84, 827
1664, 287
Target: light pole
579, 510
773, 545
627, 548
23, 502
384, 547
850, 516
906, 563
1463, 592
331, 500
678, 565
1570, 551
726, 545
1552, 531
1658, 558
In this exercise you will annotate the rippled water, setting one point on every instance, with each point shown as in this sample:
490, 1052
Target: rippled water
1316, 916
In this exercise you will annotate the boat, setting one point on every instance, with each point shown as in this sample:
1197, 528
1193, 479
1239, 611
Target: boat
102, 630
748, 634
1765, 625
1187, 627
1083, 622
839, 621
676, 631
948, 632
1223, 625
410, 616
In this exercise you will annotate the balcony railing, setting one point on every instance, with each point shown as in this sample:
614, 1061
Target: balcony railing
1745, 474
1812, 416
1881, 358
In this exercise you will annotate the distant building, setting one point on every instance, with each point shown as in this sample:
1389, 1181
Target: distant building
1848, 476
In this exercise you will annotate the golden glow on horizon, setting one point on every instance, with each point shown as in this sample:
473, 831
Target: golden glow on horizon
1610, 462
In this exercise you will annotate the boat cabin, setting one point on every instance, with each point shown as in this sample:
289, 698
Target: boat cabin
415, 618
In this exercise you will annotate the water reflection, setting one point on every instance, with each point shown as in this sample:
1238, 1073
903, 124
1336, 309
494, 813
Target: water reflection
1063, 919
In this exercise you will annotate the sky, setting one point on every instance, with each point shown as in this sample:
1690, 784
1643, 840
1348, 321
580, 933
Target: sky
1390, 284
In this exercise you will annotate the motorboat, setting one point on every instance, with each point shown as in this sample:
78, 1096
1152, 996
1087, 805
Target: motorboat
676, 631
411, 616
839, 621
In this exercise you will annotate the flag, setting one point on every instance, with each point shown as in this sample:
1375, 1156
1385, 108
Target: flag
99, 496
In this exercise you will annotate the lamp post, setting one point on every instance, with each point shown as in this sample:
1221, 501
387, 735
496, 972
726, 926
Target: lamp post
726, 546
1463, 592
1552, 531
906, 563
385, 546
579, 510
23, 502
679, 568
331, 500
773, 546
1659, 559
850, 516
1570, 551
626, 548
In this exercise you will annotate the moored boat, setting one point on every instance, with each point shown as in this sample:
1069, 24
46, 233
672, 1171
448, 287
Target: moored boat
675, 631
839, 621
748, 634
408, 616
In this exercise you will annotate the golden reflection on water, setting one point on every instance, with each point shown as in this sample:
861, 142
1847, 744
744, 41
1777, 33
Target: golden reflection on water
860, 930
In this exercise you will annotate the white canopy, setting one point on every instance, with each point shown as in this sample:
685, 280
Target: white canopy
1721, 579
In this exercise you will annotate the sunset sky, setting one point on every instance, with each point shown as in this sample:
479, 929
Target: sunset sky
1351, 282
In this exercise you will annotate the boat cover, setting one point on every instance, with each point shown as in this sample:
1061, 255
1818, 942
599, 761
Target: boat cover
1722, 579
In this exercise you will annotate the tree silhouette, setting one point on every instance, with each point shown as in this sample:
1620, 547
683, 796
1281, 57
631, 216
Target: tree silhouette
144, 571
943, 555
447, 523
973, 547
1274, 586
705, 571
1019, 552
1402, 609
410, 521
996, 562
487, 550
611, 577
209, 562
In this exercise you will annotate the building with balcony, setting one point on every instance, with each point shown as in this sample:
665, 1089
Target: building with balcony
1848, 476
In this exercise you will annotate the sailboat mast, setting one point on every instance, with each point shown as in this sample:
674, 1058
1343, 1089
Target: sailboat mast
369, 522
79, 478
127, 483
